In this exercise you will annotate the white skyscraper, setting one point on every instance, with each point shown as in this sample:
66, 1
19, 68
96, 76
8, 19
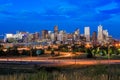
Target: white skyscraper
100, 33
60, 35
105, 34
87, 33
76, 34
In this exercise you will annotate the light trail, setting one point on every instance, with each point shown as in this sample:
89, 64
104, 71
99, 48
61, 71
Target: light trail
54, 62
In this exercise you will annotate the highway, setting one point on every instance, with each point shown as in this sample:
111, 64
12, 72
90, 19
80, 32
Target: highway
56, 62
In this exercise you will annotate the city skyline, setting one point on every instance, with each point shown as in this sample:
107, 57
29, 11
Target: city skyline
102, 35
38, 15
86, 31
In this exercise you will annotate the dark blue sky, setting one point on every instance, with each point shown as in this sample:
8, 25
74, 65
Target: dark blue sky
35, 15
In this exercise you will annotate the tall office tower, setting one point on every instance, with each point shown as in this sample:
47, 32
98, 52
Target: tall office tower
100, 33
44, 34
105, 34
64, 36
31, 37
61, 35
94, 36
56, 29
52, 37
77, 34
87, 33
37, 35
56, 33
49, 35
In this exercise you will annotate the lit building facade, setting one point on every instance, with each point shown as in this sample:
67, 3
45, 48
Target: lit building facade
105, 34
87, 33
44, 34
56, 33
100, 33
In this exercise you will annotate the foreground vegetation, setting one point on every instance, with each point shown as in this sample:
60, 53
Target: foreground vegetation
91, 52
76, 72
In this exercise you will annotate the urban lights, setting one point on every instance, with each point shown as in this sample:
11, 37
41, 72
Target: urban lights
117, 45
88, 45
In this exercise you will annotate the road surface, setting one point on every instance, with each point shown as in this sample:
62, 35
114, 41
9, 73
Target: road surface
56, 62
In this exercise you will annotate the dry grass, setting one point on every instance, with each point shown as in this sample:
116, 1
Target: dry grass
97, 72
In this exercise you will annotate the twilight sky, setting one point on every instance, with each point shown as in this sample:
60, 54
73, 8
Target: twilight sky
35, 15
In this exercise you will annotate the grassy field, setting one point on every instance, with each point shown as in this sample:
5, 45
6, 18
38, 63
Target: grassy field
73, 72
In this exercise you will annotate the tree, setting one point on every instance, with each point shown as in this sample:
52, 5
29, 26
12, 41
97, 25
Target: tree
118, 51
89, 53
15, 51
104, 52
34, 52
25, 53
110, 51
1, 52
93, 52
52, 52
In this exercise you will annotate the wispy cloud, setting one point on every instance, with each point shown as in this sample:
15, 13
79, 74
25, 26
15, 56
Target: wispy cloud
5, 6
65, 7
107, 7
59, 10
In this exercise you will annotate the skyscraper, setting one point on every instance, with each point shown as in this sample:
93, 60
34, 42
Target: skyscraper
87, 33
37, 35
100, 33
105, 34
77, 34
94, 36
56, 33
56, 29
44, 34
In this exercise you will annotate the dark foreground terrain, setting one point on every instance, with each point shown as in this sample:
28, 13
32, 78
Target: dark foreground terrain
73, 72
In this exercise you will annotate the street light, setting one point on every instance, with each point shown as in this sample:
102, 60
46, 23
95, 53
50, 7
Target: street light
117, 45
87, 45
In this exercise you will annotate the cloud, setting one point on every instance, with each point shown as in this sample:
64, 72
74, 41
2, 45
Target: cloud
28, 16
5, 6
65, 7
93, 17
61, 10
7, 13
90, 3
115, 18
107, 7
112, 11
